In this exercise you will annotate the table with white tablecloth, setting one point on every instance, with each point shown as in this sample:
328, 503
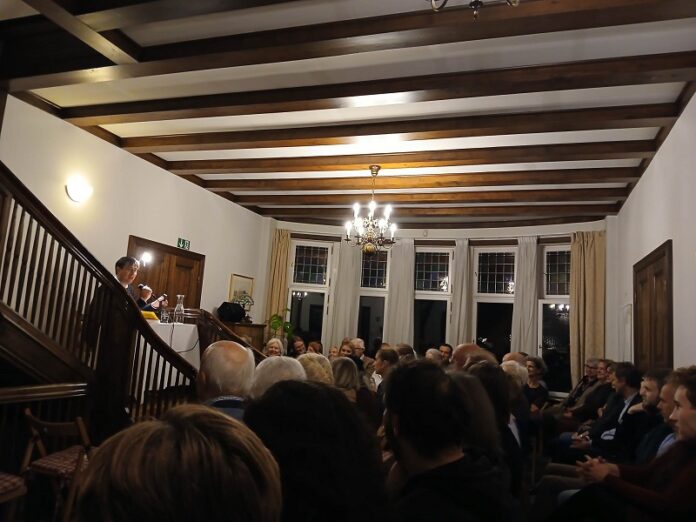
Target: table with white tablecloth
183, 338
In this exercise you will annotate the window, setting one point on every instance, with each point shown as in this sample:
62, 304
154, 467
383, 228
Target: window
494, 326
554, 336
557, 273
307, 314
374, 270
432, 271
429, 324
494, 295
496, 273
309, 275
311, 264
554, 324
371, 321
433, 292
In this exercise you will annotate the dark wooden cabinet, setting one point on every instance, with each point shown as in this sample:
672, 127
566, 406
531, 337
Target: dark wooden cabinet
254, 331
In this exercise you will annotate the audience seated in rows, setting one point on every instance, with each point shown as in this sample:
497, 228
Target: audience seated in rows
659, 491
195, 464
385, 360
535, 390
225, 377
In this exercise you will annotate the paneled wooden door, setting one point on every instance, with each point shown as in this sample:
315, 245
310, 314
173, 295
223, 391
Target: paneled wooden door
652, 309
172, 271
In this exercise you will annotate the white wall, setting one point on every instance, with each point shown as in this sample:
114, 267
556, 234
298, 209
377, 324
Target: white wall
133, 197
661, 207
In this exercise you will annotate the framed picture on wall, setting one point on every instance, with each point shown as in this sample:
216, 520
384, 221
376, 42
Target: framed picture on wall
239, 285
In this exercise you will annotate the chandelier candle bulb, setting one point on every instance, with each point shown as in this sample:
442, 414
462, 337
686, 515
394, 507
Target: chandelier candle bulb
369, 231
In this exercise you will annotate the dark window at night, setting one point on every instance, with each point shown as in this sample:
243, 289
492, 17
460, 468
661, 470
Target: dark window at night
429, 324
432, 271
374, 270
311, 264
558, 273
496, 273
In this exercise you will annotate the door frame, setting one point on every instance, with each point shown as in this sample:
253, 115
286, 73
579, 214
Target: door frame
664, 250
135, 242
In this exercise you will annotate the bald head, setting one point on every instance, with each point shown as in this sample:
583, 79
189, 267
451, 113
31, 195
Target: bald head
227, 368
466, 354
517, 357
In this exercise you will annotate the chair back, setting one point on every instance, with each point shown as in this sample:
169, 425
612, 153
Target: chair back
40, 430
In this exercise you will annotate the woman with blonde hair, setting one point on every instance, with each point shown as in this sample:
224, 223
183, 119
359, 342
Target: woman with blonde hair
195, 464
273, 348
347, 379
317, 367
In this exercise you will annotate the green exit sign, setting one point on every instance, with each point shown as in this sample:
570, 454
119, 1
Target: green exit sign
183, 243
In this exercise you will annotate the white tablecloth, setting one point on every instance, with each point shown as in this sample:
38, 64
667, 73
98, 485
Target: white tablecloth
183, 338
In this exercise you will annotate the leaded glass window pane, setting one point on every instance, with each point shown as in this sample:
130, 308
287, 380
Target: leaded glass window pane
558, 273
496, 273
311, 263
374, 270
432, 271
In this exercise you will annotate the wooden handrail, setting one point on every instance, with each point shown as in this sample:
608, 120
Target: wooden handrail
53, 283
42, 392
211, 329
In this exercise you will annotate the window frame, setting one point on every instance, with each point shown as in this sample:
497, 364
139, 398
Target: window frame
474, 269
433, 295
540, 329
384, 290
326, 289
545, 250
480, 297
329, 262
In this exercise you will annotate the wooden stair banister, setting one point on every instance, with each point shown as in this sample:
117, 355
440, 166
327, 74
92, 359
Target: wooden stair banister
51, 283
211, 329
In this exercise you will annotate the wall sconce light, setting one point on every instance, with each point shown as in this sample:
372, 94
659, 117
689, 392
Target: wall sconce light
146, 258
78, 189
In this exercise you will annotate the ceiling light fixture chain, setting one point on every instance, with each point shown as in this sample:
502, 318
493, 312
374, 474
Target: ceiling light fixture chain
475, 5
369, 232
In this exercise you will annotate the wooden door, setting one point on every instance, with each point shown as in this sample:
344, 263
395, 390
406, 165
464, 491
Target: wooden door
172, 271
652, 309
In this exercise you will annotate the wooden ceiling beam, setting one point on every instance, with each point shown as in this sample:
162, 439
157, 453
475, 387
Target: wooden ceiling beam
493, 196
505, 223
469, 179
404, 30
441, 158
115, 15
117, 48
622, 117
432, 212
633, 70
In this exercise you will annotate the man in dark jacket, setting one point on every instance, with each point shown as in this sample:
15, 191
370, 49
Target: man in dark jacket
427, 425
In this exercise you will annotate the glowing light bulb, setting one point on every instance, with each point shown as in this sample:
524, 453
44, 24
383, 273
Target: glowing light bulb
348, 227
382, 224
372, 206
78, 189
146, 258
356, 209
392, 229
387, 212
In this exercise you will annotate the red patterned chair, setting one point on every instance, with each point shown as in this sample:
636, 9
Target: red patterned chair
12, 488
62, 467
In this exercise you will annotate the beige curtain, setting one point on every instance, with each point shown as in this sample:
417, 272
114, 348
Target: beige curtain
587, 292
277, 293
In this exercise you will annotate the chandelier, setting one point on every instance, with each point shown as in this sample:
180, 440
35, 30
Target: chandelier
369, 232
476, 5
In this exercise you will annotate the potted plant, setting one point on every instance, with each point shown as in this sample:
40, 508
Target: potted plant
245, 301
279, 327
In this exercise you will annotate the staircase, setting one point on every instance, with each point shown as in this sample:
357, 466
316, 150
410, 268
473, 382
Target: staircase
72, 342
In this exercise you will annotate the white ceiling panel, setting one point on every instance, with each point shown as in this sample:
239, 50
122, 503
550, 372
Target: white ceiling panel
432, 170
538, 101
384, 146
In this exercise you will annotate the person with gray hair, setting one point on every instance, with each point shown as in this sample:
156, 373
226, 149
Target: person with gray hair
516, 371
433, 354
225, 377
273, 370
